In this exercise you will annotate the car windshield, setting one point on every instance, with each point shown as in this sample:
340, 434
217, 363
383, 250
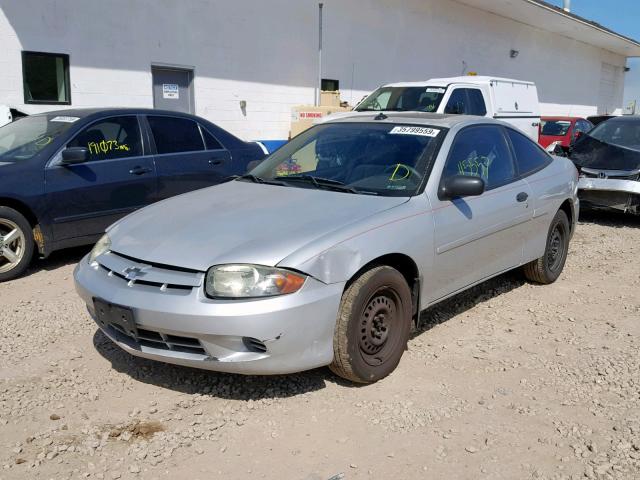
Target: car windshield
364, 158
556, 128
394, 99
620, 132
26, 137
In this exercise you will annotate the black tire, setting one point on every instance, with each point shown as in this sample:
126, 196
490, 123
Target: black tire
373, 326
8, 219
548, 268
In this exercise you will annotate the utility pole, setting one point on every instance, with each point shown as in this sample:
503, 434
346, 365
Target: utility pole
319, 53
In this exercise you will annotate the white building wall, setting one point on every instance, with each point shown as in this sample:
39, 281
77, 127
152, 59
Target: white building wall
265, 52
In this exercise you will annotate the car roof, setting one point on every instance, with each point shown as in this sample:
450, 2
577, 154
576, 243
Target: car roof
560, 117
87, 112
443, 82
419, 118
633, 118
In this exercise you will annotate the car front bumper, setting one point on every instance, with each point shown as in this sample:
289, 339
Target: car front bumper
276, 335
616, 194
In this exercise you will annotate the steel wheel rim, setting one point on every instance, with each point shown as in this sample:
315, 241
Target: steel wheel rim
555, 249
12, 245
379, 326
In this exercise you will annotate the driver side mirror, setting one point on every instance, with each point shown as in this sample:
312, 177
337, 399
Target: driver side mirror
456, 108
461, 186
576, 136
73, 155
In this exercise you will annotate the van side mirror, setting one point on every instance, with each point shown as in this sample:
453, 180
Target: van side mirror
456, 108
461, 186
73, 155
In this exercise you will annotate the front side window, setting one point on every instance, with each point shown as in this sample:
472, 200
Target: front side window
25, 138
476, 102
175, 135
584, 126
116, 137
369, 158
46, 78
398, 99
483, 152
457, 103
529, 156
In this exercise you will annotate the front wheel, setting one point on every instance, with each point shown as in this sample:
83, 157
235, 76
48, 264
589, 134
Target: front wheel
16, 244
548, 268
373, 326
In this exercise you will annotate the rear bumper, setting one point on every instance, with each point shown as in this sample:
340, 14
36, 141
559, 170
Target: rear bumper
293, 332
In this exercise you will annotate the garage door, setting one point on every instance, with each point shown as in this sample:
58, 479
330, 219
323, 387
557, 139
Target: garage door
609, 85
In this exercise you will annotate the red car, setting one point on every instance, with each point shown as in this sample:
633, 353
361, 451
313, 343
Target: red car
562, 129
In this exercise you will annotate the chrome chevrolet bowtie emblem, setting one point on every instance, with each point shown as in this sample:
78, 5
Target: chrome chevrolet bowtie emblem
131, 273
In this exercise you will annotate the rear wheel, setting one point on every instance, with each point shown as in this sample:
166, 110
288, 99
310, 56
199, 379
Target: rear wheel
373, 326
548, 268
16, 243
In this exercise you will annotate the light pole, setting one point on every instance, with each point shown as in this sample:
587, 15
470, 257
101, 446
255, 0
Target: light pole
320, 5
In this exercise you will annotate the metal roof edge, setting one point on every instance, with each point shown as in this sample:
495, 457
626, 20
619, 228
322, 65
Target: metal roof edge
584, 21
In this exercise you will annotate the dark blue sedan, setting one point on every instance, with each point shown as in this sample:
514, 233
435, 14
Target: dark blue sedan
67, 175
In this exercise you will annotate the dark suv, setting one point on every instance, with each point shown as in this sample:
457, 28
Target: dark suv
67, 175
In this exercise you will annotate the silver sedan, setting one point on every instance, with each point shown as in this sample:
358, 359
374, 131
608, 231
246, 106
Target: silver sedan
326, 252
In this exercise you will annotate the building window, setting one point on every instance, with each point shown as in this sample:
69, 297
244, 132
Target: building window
328, 85
46, 78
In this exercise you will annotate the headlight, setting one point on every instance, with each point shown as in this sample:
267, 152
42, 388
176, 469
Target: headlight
246, 281
103, 245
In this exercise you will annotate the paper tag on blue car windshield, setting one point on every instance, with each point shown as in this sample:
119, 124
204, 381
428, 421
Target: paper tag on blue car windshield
64, 119
422, 131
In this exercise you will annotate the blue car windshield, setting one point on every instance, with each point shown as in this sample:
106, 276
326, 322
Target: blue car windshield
370, 158
26, 137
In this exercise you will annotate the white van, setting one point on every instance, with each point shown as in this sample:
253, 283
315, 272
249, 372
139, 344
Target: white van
5, 115
513, 101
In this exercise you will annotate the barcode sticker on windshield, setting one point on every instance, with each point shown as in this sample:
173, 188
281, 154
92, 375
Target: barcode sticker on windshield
435, 90
423, 131
64, 119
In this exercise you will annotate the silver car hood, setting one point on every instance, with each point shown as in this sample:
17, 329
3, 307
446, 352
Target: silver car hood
239, 222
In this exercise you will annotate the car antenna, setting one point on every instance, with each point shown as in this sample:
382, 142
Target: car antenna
380, 116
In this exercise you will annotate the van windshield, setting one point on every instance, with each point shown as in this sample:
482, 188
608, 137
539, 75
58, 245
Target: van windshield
398, 99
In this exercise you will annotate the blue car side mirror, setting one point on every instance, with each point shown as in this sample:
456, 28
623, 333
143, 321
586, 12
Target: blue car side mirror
73, 155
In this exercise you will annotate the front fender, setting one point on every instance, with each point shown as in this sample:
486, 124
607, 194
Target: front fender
336, 257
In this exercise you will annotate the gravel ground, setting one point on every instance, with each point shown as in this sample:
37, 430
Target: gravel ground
508, 380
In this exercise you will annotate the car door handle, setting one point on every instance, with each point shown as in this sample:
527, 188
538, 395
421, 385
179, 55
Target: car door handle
139, 170
216, 161
522, 197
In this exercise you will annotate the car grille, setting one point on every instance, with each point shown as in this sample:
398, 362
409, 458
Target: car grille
610, 174
162, 341
140, 274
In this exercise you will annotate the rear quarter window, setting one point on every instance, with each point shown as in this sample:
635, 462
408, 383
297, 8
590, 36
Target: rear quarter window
529, 156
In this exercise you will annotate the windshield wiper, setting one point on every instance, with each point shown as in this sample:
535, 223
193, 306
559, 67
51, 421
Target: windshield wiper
326, 183
255, 179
